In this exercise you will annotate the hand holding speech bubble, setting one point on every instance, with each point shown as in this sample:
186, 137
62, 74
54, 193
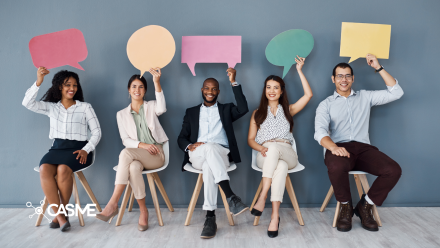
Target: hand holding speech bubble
150, 47
66, 47
283, 48
211, 49
359, 39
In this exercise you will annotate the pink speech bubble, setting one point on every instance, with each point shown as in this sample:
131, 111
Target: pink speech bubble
66, 47
211, 49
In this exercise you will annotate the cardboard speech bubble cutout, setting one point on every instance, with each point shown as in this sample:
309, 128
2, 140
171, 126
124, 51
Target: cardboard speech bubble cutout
66, 47
359, 39
211, 49
150, 47
283, 48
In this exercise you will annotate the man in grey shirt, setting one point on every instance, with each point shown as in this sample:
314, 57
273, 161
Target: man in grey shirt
341, 126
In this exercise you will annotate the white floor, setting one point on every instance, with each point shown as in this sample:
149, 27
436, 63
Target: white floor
402, 227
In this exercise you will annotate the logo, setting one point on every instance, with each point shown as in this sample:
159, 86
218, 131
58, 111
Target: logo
67, 210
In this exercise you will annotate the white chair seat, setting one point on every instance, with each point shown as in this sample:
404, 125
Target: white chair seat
188, 167
356, 172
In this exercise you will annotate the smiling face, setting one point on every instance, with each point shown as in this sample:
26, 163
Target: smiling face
273, 90
137, 90
69, 88
210, 92
343, 80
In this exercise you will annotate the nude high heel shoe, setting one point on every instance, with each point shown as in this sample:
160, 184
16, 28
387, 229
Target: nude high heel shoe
107, 218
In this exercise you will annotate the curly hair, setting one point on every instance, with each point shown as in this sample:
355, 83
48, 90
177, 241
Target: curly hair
53, 94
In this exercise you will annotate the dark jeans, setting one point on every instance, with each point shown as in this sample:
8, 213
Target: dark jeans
367, 158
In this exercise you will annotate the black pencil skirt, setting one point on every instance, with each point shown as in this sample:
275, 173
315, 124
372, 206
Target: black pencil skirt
61, 152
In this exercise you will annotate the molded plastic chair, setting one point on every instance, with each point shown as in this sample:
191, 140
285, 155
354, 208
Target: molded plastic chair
86, 186
289, 187
195, 196
361, 181
152, 178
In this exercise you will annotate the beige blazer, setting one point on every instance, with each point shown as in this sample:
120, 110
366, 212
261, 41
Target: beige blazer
127, 126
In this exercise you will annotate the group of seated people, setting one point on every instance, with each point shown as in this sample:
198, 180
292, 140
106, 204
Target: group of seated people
207, 138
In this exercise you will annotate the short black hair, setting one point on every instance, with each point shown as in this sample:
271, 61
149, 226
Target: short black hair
211, 79
137, 76
342, 65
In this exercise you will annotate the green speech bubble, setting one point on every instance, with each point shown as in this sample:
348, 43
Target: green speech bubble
283, 48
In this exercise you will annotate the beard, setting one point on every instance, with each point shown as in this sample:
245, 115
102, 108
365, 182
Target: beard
213, 100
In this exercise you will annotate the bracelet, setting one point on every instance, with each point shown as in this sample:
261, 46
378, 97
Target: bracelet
378, 70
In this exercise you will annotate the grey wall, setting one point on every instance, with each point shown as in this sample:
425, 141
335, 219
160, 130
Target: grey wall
407, 130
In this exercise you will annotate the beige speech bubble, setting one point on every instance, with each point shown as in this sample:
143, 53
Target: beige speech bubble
150, 47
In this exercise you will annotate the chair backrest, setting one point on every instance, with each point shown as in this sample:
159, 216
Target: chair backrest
166, 151
255, 153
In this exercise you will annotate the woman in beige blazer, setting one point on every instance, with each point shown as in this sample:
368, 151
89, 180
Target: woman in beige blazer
142, 136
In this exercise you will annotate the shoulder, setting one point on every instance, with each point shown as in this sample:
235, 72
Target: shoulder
326, 101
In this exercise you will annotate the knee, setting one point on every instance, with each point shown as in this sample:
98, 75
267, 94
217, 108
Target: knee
394, 170
337, 168
272, 148
135, 168
124, 153
63, 172
47, 170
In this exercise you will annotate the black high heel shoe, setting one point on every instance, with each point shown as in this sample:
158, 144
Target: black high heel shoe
274, 234
255, 212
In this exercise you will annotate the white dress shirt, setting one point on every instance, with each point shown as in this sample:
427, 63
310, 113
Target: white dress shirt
71, 123
347, 118
210, 126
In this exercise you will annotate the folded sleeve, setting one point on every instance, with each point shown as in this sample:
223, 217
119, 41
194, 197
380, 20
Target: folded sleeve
380, 97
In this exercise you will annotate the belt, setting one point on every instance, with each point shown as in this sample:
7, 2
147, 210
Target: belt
278, 140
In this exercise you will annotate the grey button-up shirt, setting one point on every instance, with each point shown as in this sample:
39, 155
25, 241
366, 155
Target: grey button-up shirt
347, 119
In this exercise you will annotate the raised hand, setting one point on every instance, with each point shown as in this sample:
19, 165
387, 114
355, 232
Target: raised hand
231, 74
299, 62
41, 72
156, 74
372, 61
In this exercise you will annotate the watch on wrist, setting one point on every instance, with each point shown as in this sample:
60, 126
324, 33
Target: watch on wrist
378, 70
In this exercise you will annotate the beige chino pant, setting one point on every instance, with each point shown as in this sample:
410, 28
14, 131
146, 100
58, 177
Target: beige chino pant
132, 161
280, 157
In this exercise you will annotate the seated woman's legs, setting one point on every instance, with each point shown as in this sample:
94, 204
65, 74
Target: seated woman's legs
138, 185
277, 192
50, 187
65, 186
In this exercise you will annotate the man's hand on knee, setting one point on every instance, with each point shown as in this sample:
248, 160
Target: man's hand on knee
192, 147
340, 151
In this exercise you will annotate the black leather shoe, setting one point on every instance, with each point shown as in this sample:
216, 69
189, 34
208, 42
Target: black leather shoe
363, 210
274, 234
345, 217
209, 228
236, 206
255, 212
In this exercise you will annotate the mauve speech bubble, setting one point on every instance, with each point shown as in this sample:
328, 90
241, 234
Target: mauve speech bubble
211, 49
66, 47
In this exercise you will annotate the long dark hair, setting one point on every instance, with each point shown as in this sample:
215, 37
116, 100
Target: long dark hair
261, 114
53, 94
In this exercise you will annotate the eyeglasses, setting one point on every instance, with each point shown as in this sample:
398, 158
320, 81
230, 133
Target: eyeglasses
349, 77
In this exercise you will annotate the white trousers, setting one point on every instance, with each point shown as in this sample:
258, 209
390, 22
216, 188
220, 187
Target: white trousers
213, 160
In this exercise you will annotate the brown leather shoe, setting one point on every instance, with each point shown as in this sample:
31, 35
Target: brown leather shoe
363, 210
345, 216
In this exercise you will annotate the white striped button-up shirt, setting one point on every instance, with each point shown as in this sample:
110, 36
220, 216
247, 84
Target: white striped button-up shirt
71, 124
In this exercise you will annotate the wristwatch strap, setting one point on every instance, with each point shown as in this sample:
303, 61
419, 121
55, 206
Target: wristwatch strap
378, 70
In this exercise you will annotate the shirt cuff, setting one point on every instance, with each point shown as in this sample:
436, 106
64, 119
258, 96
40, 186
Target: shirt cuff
34, 86
319, 137
391, 88
186, 149
235, 84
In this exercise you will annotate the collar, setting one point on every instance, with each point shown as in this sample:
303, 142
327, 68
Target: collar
336, 94
77, 103
141, 109
203, 105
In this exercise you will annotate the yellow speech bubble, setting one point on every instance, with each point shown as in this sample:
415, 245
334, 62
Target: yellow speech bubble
359, 39
150, 47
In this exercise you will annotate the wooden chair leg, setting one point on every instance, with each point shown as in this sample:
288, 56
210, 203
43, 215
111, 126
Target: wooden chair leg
195, 196
293, 199
335, 219
257, 194
123, 205
43, 209
85, 184
366, 186
358, 185
76, 196
327, 199
155, 200
225, 202
162, 191
131, 202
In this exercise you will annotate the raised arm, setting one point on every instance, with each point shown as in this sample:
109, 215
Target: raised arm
160, 105
29, 102
394, 91
302, 102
